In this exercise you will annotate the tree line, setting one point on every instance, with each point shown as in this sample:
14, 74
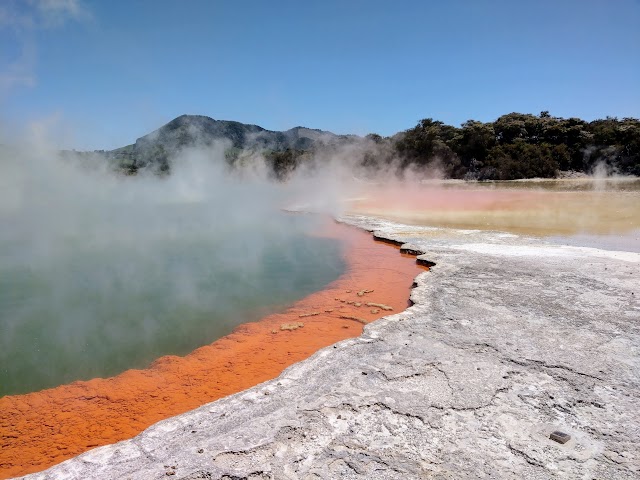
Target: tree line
519, 145
516, 145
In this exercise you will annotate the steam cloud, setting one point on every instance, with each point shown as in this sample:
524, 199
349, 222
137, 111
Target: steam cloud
90, 259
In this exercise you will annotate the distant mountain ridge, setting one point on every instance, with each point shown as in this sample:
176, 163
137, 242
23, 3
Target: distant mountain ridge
157, 147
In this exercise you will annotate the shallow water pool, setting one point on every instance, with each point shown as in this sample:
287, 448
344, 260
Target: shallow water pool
84, 307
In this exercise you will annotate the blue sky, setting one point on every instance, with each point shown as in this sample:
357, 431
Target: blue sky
102, 73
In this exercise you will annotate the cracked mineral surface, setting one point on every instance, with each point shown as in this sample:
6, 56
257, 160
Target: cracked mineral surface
508, 340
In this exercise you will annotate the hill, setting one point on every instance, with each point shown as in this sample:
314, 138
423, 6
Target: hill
159, 147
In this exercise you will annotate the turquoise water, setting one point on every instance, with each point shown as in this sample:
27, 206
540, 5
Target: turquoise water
90, 305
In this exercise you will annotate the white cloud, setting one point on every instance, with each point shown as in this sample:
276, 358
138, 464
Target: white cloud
20, 72
20, 20
57, 12
13, 78
12, 18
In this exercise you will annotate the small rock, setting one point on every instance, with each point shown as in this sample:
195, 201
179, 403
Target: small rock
379, 305
291, 326
357, 319
560, 437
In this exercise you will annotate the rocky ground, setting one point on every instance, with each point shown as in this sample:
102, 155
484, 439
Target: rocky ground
509, 340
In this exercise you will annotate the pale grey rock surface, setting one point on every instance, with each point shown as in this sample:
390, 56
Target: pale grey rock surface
509, 339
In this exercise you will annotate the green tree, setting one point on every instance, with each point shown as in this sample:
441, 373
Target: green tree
522, 160
473, 142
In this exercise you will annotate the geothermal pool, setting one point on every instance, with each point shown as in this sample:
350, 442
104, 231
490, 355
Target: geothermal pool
600, 213
41, 429
90, 309
100, 272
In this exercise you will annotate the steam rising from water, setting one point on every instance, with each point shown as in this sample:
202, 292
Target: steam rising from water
102, 272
